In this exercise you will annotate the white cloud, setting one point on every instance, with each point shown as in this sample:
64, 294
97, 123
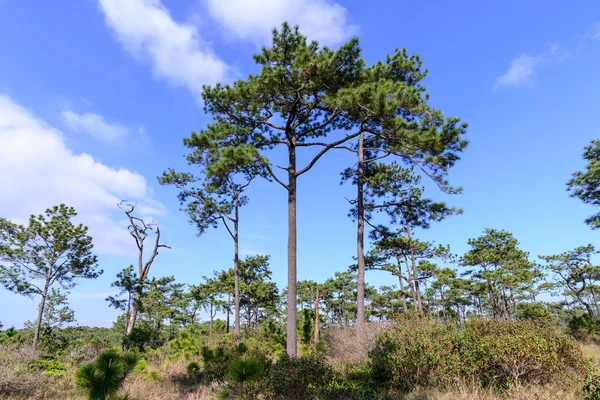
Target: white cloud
94, 125
45, 172
523, 68
323, 20
176, 50
520, 71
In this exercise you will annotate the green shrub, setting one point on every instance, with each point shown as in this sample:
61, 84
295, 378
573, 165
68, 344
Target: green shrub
186, 344
430, 354
416, 353
534, 312
153, 376
51, 367
103, 378
505, 353
216, 363
584, 328
297, 378
141, 367
355, 383
591, 385
244, 371
193, 368
142, 337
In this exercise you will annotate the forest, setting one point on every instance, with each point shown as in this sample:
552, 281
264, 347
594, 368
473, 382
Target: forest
493, 323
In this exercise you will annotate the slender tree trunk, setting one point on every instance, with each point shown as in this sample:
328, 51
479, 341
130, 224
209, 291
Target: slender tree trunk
38, 322
292, 248
594, 299
443, 303
236, 269
413, 259
228, 307
513, 300
360, 238
505, 303
211, 319
404, 307
317, 327
127, 315
411, 282
133, 313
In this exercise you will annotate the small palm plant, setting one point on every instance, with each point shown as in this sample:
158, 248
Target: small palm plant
243, 371
104, 377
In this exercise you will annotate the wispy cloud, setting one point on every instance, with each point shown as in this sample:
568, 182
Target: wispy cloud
175, 50
522, 69
94, 125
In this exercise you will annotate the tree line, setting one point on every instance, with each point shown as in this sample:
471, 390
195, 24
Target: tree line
310, 101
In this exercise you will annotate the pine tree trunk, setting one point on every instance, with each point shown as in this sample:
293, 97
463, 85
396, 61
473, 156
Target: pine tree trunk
228, 307
411, 282
404, 306
505, 303
236, 269
292, 248
513, 300
210, 326
413, 259
133, 313
128, 313
38, 322
317, 327
360, 238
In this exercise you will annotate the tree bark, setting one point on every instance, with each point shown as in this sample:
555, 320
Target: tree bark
38, 323
418, 306
411, 282
211, 319
133, 313
317, 327
292, 248
228, 307
404, 306
236, 269
360, 238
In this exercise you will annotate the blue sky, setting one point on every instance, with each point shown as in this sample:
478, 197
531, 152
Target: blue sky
95, 97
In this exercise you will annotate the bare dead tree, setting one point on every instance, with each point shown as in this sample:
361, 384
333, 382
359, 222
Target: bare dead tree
140, 231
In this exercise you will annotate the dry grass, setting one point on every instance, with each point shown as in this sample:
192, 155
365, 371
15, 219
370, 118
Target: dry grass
591, 350
548, 392
16, 377
176, 384
348, 346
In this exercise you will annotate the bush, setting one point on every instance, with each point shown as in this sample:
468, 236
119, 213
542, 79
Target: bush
103, 378
430, 354
591, 386
142, 337
297, 378
584, 328
416, 353
51, 367
243, 372
356, 383
17, 376
534, 312
153, 376
193, 368
216, 363
507, 353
